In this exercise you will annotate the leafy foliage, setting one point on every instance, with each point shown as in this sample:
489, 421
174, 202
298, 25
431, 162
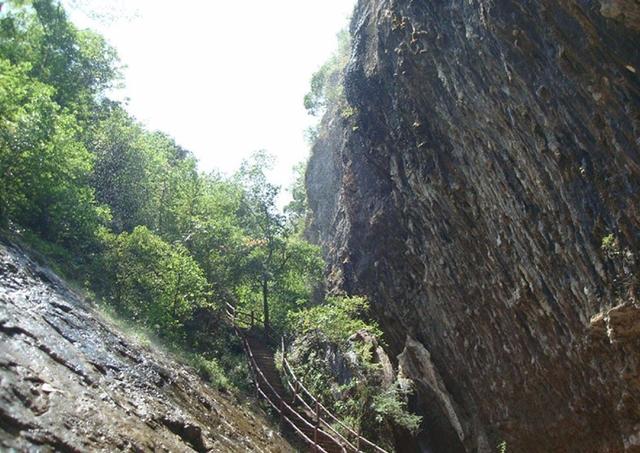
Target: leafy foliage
336, 336
326, 83
43, 163
338, 319
162, 243
610, 245
78, 63
296, 210
126, 208
623, 268
390, 405
153, 282
281, 269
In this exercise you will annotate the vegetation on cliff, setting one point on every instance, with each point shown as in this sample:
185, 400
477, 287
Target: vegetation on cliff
338, 353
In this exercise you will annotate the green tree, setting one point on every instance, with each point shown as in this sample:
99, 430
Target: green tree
296, 210
145, 178
78, 63
44, 165
264, 225
326, 83
284, 267
211, 229
152, 282
89, 184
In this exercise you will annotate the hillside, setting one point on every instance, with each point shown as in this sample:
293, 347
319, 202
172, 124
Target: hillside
69, 380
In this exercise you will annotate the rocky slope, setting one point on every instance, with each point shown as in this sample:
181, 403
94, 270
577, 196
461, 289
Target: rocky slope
69, 381
484, 193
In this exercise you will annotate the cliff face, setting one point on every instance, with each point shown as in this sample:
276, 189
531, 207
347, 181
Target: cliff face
494, 145
70, 382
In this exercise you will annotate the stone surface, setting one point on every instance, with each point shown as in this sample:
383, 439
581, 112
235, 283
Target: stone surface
625, 11
494, 144
69, 381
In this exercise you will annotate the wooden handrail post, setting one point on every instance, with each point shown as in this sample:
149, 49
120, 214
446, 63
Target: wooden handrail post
315, 431
252, 319
282, 341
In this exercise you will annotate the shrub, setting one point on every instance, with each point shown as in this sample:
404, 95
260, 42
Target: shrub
210, 370
390, 405
338, 319
610, 246
344, 369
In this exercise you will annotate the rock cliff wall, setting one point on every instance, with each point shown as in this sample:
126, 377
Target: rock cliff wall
493, 149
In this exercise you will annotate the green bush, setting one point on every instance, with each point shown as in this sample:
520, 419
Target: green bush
338, 319
358, 394
210, 370
391, 405
610, 245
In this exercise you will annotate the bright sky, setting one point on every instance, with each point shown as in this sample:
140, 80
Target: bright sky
224, 78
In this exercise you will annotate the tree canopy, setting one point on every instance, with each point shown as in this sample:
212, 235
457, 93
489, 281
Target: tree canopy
157, 238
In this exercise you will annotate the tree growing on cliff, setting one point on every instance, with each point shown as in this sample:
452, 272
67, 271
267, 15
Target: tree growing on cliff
326, 83
296, 210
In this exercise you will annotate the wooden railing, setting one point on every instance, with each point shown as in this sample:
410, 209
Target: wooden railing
279, 404
247, 318
351, 442
300, 392
275, 400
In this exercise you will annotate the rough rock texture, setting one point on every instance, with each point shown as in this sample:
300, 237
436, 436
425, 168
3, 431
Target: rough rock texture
494, 144
626, 11
69, 381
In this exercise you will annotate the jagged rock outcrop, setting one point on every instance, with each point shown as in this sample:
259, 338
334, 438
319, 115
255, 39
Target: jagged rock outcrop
494, 144
69, 381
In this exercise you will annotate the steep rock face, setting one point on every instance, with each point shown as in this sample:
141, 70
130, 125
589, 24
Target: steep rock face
69, 381
494, 144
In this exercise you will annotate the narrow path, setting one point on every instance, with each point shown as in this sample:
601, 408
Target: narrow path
264, 357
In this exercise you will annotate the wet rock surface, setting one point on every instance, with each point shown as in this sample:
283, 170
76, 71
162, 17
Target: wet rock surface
494, 145
69, 381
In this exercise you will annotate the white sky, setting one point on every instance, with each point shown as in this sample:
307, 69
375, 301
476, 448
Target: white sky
224, 78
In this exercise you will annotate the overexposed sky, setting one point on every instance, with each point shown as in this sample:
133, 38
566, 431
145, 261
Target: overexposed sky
224, 78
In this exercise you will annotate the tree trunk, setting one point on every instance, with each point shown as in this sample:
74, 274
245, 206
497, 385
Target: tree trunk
265, 301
